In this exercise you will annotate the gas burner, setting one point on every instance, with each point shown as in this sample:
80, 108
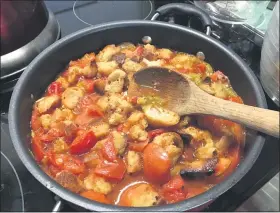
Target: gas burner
12, 198
126, 10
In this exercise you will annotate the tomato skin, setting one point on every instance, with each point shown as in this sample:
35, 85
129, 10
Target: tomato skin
108, 150
175, 196
200, 68
35, 121
87, 84
139, 146
218, 75
134, 99
66, 162
94, 111
37, 149
235, 99
112, 171
220, 126
156, 163
83, 143
96, 196
120, 128
139, 50
55, 88
175, 183
222, 165
173, 190
52, 134
155, 132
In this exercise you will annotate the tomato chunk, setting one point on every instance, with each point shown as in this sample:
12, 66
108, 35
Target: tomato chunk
108, 150
139, 50
37, 148
175, 183
52, 134
96, 196
173, 191
218, 75
88, 84
94, 111
112, 171
35, 121
157, 164
235, 99
155, 132
67, 162
200, 68
83, 143
138, 146
222, 166
55, 88
134, 99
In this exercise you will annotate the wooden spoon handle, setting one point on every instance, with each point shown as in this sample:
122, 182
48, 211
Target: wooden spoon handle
263, 120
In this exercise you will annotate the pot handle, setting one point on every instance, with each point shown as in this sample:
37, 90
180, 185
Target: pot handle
58, 205
187, 9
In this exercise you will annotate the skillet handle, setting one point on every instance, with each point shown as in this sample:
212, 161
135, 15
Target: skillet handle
58, 205
187, 9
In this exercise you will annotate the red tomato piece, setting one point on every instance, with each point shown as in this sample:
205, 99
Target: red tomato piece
83, 143
55, 88
35, 121
222, 166
139, 50
218, 75
112, 171
88, 84
120, 128
88, 100
133, 100
94, 111
238, 132
37, 148
155, 132
138, 146
175, 183
96, 196
236, 99
108, 150
173, 190
175, 196
201, 68
157, 164
67, 162
52, 134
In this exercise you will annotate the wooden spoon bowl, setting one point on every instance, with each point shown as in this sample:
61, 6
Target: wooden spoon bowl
185, 97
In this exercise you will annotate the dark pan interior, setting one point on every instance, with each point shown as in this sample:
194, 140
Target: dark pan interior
53, 60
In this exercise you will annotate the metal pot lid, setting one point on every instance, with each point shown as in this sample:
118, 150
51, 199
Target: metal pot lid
15, 62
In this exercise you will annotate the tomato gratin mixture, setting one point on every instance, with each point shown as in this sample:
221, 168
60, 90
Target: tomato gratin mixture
96, 140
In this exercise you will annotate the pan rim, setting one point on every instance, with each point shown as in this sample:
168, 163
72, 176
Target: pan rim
76, 199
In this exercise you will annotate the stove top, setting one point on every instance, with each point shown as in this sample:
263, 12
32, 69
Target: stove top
20, 191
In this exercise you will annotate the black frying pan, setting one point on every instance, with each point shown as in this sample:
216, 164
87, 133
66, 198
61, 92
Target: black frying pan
46, 66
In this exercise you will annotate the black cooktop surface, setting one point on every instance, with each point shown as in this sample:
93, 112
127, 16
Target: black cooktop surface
20, 191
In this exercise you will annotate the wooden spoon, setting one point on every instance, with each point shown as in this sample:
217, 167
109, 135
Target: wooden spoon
184, 98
